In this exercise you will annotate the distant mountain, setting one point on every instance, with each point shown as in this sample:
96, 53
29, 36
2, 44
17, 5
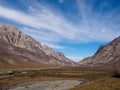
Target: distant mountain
106, 56
16, 48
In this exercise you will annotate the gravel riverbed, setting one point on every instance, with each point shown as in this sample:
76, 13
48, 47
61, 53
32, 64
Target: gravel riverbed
50, 85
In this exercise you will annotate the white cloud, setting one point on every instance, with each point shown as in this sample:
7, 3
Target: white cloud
60, 1
51, 26
76, 58
55, 46
98, 26
42, 35
48, 38
45, 20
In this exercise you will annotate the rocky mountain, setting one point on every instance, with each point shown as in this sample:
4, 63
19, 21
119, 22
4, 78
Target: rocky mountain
108, 55
17, 48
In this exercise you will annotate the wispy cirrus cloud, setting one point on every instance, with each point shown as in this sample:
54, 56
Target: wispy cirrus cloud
55, 46
60, 1
67, 25
76, 58
102, 22
41, 35
45, 37
44, 20
51, 26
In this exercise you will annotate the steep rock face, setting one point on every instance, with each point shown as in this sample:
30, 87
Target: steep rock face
105, 55
58, 55
23, 47
16, 38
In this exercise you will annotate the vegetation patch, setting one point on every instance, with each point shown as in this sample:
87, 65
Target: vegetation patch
107, 83
27, 76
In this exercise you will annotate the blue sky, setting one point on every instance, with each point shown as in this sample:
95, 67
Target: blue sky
75, 27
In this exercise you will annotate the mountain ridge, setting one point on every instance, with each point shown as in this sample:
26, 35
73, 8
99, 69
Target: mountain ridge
107, 55
16, 43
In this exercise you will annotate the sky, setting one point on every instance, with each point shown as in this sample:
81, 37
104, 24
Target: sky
74, 27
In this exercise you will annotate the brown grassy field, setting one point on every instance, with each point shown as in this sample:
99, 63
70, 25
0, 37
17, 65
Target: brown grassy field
20, 76
107, 83
31, 75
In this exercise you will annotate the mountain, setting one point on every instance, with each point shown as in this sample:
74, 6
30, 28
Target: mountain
16, 48
107, 56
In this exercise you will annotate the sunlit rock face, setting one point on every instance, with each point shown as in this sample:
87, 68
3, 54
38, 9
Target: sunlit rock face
16, 43
109, 54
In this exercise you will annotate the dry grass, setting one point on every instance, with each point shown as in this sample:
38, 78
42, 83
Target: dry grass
50, 74
107, 83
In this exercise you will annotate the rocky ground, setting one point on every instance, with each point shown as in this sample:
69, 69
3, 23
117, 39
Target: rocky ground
50, 85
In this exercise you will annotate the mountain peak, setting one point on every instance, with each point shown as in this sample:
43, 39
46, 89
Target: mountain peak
107, 54
12, 35
19, 44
